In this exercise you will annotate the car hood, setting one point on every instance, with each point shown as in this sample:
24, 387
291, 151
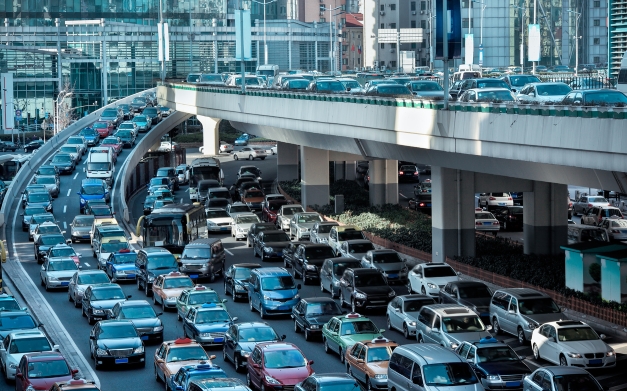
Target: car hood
468, 387
120, 343
284, 294
379, 367
504, 367
218, 327
590, 346
4, 333
124, 266
289, 376
320, 320
544, 318
105, 304
430, 94
390, 267
61, 164
249, 346
174, 292
308, 226
245, 225
469, 336
62, 273
441, 281
219, 220
481, 302
276, 244
374, 290
45, 384
147, 322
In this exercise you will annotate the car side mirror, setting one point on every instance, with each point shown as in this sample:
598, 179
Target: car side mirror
283, 337
435, 330
553, 339
511, 312
160, 361
603, 336
159, 314
417, 380
80, 267
68, 242
92, 337
419, 275
224, 300
397, 309
488, 327
18, 374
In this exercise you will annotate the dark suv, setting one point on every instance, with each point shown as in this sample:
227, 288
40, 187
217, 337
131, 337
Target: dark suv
271, 244
363, 289
170, 173
309, 259
150, 263
203, 258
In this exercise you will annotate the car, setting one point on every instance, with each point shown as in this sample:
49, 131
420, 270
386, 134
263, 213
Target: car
488, 95
48, 222
39, 371
33, 146
253, 198
235, 279
198, 373
112, 142
44, 242
8, 303
544, 93
153, 113
285, 214
182, 173
238, 208
249, 171
518, 81
616, 228
328, 382
332, 271
32, 188
591, 97
40, 198
254, 231
295, 85
48, 170
247, 186
126, 137
64, 163
301, 223
494, 200
104, 128
571, 343
241, 338
16, 321
81, 280
91, 136
311, 313
120, 265
167, 146
367, 361
388, 262
270, 244
218, 220
277, 365
272, 291
172, 355
339, 234
473, 294
167, 288
496, 363
510, 217
341, 332
80, 227
426, 89
364, 289
429, 278
170, 174
391, 90
56, 272
116, 343
241, 140
307, 261
449, 325
30, 211
561, 378
7, 146
402, 312
143, 317
126, 112
242, 223
165, 111
113, 114
408, 173
142, 122
319, 233
72, 150
207, 324
597, 214
138, 105
195, 297
356, 248
50, 182
17, 344
100, 298
585, 202
290, 250
250, 153
486, 222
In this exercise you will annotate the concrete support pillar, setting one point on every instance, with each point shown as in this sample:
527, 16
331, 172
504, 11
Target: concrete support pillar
287, 161
383, 187
350, 170
211, 135
453, 213
545, 218
314, 174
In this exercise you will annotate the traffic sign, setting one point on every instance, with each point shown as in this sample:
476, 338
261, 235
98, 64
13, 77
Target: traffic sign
18, 115
46, 115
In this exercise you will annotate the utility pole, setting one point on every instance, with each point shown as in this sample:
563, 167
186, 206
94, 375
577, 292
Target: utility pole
535, 13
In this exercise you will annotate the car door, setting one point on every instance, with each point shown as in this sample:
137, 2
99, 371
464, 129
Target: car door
297, 260
298, 313
230, 341
160, 360
325, 276
353, 354
446, 294
255, 297
534, 383
188, 324
361, 371
551, 351
43, 271
293, 226
334, 336
590, 217
157, 286
255, 370
435, 333
511, 317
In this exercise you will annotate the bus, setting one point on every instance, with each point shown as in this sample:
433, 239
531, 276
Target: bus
10, 165
173, 226
203, 168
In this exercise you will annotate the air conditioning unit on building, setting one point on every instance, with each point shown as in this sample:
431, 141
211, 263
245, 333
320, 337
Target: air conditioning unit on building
392, 50
381, 13
413, 12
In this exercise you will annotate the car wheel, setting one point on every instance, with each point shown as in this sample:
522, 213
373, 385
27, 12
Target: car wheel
368, 385
423, 290
505, 226
296, 328
420, 339
327, 350
224, 356
405, 331
262, 312
321, 286
295, 273
154, 299
307, 335
157, 378
235, 157
250, 305
536, 352
233, 293
248, 243
139, 287
41, 282
178, 316
250, 157
237, 363
90, 320
388, 322
163, 307
521, 336
146, 290
263, 257
496, 327
563, 361
225, 290
342, 358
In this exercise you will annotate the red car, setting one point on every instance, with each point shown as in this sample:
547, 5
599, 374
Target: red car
277, 366
40, 371
270, 208
113, 142
104, 128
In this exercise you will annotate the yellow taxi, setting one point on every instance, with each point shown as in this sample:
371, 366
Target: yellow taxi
168, 287
172, 355
75, 384
367, 361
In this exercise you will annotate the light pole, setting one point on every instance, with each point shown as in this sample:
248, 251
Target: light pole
331, 49
190, 37
265, 43
62, 94
522, 40
483, 5
577, 37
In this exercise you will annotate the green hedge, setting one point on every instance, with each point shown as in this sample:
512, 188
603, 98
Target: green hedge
189, 138
292, 188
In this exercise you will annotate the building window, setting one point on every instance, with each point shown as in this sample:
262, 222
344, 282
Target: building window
358, 61
392, 64
392, 25
464, 3
423, 5
283, 10
382, 26
345, 61
381, 63
597, 22
343, 21
413, 45
597, 41
412, 6
323, 20
322, 8
465, 23
596, 60
382, 46
344, 48
393, 45
413, 24
358, 36
597, 3
393, 7
382, 7
423, 24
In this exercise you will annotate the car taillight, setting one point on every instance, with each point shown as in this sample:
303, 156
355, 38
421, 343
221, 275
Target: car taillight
477, 222
509, 198
512, 217
422, 204
400, 173
496, 223
415, 172
492, 199
589, 205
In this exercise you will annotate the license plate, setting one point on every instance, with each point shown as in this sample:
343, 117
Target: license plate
193, 276
488, 223
218, 340
593, 362
393, 275
501, 203
514, 196
130, 275
429, 205
284, 307
65, 283
512, 384
225, 228
121, 360
144, 338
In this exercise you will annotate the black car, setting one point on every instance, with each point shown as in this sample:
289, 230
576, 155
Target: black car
472, 294
16, 321
240, 340
99, 299
138, 105
320, 382
510, 217
236, 278
44, 243
312, 313
127, 138
143, 317
517, 197
39, 198
33, 145
288, 253
28, 212
116, 343
7, 146
63, 162
309, 259
271, 244
254, 231
48, 170
154, 113
408, 173
422, 196
234, 188
364, 289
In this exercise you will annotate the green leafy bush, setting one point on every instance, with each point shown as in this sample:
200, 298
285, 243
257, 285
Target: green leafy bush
189, 138
292, 188
595, 272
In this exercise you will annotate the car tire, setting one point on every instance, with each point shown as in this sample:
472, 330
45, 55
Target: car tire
139, 286
423, 290
90, 320
146, 290
504, 225
154, 300
307, 335
250, 305
563, 361
163, 307
233, 293
178, 316
225, 358
157, 378
249, 382
296, 328
536, 352
250, 157
342, 358
262, 312
388, 322
342, 300
327, 349
237, 363
405, 331
368, 385
521, 336
263, 257
262, 158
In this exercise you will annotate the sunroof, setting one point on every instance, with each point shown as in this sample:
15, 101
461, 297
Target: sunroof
453, 311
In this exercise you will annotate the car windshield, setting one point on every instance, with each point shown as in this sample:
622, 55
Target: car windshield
43, 219
48, 229
538, 306
321, 252
415, 305
162, 262
44, 180
324, 228
408, 168
44, 369
498, 353
83, 221
449, 374
98, 166
484, 216
598, 199
17, 322
112, 293
576, 334
386, 258
324, 308
334, 86
210, 78
205, 297
186, 354
369, 279
88, 133
462, 324
239, 208
278, 237
288, 358
611, 212
115, 331
100, 125
360, 247
351, 84
92, 278
33, 210
339, 267
362, 327
430, 86
605, 97
68, 149
277, 283
123, 133
257, 334
62, 159
109, 113
213, 316
519, 81
619, 224
552, 89
8, 304
38, 197
246, 219
172, 283
140, 118
27, 345
439, 271
340, 385
242, 273
393, 90
309, 218
124, 258
137, 312
51, 239
253, 194
196, 253
216, 214
113, 247
378, 354
501, 95
47, 171
139, 101
110, 140
576, 382
291, 211
93, 190
475, 292
58, 266
350, 235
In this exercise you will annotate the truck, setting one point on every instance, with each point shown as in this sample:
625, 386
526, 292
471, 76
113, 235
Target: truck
270, 71
203, 168
100, 165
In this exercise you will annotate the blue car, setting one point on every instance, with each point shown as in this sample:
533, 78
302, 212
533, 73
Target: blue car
91, 136
207, 324
92, 189
242, 140
272, 291
120, 266
187, 373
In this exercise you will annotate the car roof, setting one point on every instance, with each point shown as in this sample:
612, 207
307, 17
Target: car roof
526, 292
133, 303
44, 356
271, 271
277, 346
26, 334
414, 297
556, 370
251, 325
430, 353
450, 309
318, 299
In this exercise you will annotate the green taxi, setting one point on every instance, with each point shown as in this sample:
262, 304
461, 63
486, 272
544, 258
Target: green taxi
196, 297
342, 332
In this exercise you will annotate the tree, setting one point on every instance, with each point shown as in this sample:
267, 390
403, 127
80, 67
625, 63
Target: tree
595, 272
65, 111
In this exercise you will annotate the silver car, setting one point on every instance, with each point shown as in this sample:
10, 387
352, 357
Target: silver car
332, 271
561, 378
56, 272
320, 231
355, 249
51, 182
285, 214
402, 312
301, 223
388, 262
78, 141
81, 280
581, 205
616, 228
449, 325
241, 225
80, 227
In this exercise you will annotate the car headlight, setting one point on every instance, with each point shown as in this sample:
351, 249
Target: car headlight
139, 350
404, 270
573, 355
30, 388
359, 295
271, 380
304, 229
267, 298
323, 240
157, 329
432, 286
412, 324
314, 327
532, 325
97, 311
211, 223
239, 229
311, 267
392, 294
13, 366
52, 278
336, 283
381, 376
493, 377
610, 353
205, 334
268, 249
244, 353
101, 352
151, 278
240, 288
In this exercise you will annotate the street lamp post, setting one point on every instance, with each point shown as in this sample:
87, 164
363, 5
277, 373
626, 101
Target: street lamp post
577, 37
190, 37
331, 49
522, 39
483, 5
265, 43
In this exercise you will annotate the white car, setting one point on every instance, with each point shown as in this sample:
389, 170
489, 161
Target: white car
571, 343
218, 220
616, 228
18, 344
241, 225
56, 272
495, 200
584, 203
272, 150
543, 92
226, 148
129, 125
486, 222
250, 153
46, 228
167, 146
402, 313
301, 223
237, 208
429, 278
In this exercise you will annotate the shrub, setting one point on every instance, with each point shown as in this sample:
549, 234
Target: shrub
189, 138
292, 188
595, 272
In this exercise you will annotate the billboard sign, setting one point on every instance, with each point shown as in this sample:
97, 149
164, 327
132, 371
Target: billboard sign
453, 29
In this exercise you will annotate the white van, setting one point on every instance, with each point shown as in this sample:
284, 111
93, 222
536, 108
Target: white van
100, 164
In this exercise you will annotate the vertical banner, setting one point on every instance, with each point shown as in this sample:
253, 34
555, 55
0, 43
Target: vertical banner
8, 111
160, 38
453, 28
470, 49
243, 35
533, 51
480, 54
164, 41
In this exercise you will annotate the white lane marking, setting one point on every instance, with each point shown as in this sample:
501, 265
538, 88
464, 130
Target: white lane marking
64, 224
64, 209
619, 387
228, 252
76, 176
86, 264
69, 191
